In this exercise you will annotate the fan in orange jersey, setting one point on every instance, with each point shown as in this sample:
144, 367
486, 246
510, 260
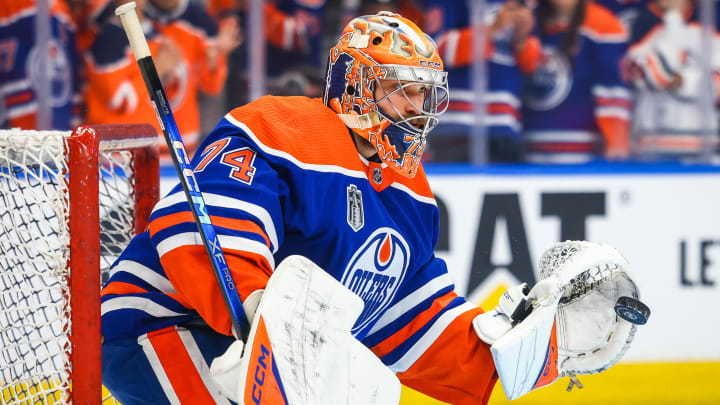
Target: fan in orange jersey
190, 55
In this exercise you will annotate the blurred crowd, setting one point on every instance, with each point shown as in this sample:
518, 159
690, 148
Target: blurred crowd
554, 81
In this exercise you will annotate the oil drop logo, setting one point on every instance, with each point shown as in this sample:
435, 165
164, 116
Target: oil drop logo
376, 271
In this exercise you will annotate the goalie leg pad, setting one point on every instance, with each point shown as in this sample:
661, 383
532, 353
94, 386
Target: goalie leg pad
300, 350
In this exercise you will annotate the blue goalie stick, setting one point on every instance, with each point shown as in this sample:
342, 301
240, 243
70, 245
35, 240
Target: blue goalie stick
139, 46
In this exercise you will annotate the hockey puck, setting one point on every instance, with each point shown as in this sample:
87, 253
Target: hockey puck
632, 310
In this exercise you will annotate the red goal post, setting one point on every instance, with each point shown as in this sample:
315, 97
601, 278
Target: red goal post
69, 204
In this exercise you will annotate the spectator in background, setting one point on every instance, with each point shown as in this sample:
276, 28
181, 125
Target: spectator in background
575, 105
89, 16
665, 64
190, 56
511, 51
21, 80
293, 32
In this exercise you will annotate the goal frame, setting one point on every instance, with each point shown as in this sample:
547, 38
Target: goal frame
83, 154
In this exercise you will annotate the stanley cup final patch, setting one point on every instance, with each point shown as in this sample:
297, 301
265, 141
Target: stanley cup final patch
355, 212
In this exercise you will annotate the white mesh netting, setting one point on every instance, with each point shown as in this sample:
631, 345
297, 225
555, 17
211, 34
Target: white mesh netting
34, 255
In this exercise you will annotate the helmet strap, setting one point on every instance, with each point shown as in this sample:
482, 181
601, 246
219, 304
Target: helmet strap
364, 121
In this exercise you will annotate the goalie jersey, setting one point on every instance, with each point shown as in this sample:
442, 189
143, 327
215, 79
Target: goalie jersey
281, 176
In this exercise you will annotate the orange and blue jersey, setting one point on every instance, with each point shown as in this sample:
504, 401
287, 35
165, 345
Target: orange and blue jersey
116, 92
282, 176
293, 33
19, 61
574, 109
449, 23
193, 31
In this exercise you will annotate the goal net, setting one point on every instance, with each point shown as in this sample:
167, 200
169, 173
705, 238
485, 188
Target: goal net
69, 204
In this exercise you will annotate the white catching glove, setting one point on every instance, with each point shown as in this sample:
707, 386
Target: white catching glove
578, 319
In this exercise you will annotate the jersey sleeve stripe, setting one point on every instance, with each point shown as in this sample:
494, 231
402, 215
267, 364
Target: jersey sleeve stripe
612, 92
406, 189
418, 322
143, 304
179, 366
20, 13
418, 296
243, 225
144, 273
217, 200
417, 350
199, 362
227, 242
120, 287
158, 369
15, 86
284, 155
604, 37
613, 112
124, 288
612, 102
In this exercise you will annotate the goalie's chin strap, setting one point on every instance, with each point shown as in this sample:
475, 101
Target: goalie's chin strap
364, 121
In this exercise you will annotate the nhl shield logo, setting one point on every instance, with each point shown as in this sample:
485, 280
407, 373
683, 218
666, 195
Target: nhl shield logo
375, 273
377, 175
355, 213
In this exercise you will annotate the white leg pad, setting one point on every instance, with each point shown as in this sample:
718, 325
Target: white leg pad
300, 350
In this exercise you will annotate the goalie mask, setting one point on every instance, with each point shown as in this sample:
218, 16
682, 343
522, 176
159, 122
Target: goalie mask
378, 59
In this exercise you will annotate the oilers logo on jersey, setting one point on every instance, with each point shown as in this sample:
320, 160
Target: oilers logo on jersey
551, 83
375, 272
58, 70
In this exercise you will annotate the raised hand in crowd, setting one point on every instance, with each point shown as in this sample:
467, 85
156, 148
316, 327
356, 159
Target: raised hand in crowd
167, 58
516, 16
229, 38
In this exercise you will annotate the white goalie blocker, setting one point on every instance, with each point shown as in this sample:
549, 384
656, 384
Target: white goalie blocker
580, 318
300, 350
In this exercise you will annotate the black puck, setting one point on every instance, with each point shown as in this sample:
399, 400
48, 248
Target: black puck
632, 310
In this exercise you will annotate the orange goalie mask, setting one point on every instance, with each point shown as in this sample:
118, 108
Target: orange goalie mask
371, 51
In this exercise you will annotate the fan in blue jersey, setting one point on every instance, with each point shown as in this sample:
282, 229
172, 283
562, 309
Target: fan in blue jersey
575, 105
38, 91
338, 181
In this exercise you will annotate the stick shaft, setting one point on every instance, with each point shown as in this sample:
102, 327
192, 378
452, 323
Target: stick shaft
209, 237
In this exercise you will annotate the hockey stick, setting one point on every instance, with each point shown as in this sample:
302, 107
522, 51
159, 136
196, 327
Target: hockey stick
139, 46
